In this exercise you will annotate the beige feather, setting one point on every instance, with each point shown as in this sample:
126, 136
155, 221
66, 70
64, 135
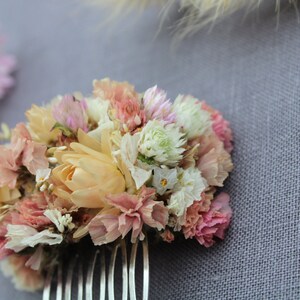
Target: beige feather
195, 13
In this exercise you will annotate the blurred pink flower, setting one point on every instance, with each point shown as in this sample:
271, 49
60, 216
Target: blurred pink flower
124, 100
24, 278
157, 106
214, 222
21, 152
220, 126
134, 211
7, 66
71, 113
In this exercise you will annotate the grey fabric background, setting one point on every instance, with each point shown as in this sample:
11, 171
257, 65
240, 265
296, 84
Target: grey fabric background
248, 70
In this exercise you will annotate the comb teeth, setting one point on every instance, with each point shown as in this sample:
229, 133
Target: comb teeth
54, 283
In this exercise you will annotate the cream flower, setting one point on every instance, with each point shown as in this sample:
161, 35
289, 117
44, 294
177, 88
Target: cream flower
41, 123
164, 179
8, 195
98, 114
162, 143
190, 116
88, 172
7, 198
129, 153
61, 222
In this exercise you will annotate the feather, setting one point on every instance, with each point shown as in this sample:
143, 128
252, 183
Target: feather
195, 13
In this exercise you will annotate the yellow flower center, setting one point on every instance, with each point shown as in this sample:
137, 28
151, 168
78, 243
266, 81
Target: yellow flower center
164, 182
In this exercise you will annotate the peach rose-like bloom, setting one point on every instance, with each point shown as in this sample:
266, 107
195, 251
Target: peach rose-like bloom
22, 151
24, 278
124, 100
214, 222
194, 214
31, 211
220, 126
167, 236
214, 161
88, 172
130, 213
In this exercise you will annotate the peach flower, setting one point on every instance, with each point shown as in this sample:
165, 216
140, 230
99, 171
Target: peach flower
24, 278
194, 214
134, 211
214, 161
31, 211
88, 172
220, 126
167, 236
22, 151
124, 100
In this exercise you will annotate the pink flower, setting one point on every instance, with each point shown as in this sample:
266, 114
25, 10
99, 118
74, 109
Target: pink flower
23, 277
21, 152
124, 100
157, 106
7, 66
214, 222
71, 113
194, 214
104, 227
214, 161
134, 211
220, 127
167, 236
31, 211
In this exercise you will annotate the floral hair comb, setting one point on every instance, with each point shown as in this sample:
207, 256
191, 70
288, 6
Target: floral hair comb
7, 66
111, 166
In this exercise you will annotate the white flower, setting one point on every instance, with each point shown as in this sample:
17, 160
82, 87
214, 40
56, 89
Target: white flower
42, 175
61, 221
190, 116
16, 234
23, 236
97, 111
178, 203
191, 181
129, 154
44, 237
188, 189
162, 143
164, 179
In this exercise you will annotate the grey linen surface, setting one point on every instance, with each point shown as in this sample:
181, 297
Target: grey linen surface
248, 70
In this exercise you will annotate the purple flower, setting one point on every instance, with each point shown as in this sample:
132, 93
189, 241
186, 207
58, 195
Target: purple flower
71, 113
7, 66
157, 106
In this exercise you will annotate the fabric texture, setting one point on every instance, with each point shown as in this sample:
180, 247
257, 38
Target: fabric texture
248, 69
